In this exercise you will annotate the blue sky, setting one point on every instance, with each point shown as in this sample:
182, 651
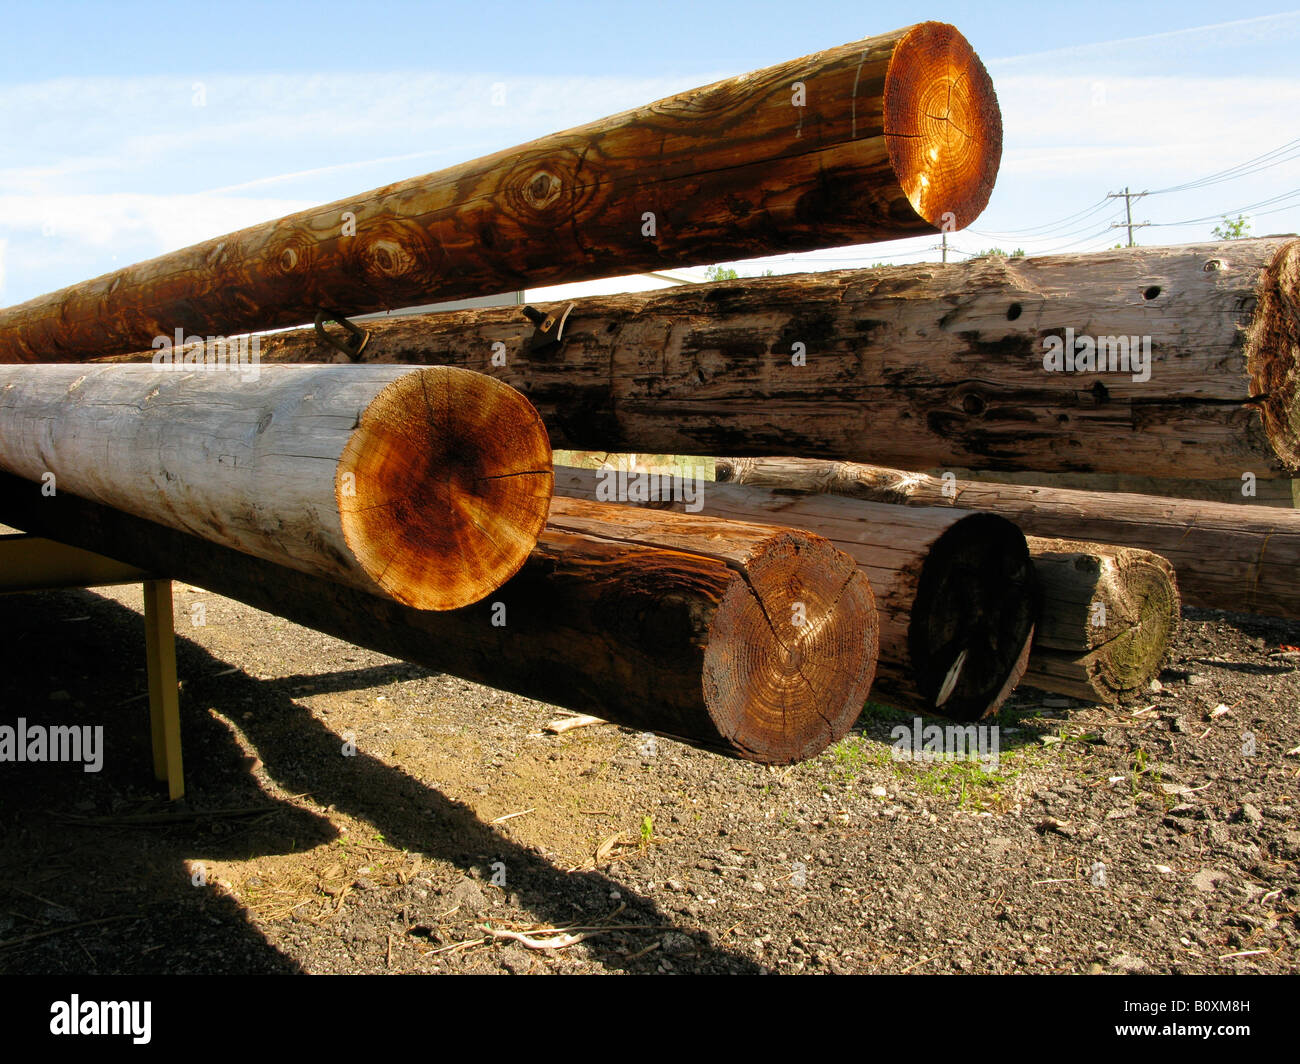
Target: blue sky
131, 129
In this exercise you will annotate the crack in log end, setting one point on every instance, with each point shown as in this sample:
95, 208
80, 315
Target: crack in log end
976, 595
465, 463
1272, 350
781, 691
943, 126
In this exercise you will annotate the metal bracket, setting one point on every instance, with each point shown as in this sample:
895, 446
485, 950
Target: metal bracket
550, 327
352, 348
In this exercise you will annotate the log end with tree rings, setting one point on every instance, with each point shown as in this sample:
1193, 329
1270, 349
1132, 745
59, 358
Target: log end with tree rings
1273, 353
444, 486
792, 650
942, 124
972, 618
1108, 618
1142, 620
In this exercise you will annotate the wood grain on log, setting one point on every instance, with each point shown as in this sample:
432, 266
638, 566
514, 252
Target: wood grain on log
886, 137
919, 366
694, 641
1108, 616
428, 485
956, 596
1227, 557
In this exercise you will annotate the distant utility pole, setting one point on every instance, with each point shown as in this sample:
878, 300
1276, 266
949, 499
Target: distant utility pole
941, 246
1130, 225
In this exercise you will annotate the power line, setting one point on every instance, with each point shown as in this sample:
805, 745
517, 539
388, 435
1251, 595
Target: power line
1288, 152
1269, 159
1067, 220
1250, 207
1104, 232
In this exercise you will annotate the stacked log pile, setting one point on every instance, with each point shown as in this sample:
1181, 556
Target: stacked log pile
956, 591
381, 502
658, 622
397, 490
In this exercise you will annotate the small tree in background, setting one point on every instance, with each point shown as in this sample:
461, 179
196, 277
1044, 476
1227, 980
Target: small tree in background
720, 273
1233, 229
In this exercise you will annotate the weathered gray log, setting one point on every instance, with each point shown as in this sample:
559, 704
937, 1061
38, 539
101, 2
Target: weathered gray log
694, 639
890, 136
1240, 558
956, 593
428, 485
1107, 619
919, 367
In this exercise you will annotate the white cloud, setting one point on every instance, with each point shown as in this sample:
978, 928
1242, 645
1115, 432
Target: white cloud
120, 219
1171, 46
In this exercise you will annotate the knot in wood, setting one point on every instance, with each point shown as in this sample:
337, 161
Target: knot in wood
542, 189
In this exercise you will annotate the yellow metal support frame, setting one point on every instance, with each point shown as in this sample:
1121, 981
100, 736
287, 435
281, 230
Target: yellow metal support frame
32, 563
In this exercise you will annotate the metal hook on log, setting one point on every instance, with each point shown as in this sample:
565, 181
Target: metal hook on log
353, 348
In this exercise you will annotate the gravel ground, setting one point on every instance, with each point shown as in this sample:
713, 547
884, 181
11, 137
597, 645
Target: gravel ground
350, 813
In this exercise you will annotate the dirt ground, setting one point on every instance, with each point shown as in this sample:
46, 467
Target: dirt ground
351, 813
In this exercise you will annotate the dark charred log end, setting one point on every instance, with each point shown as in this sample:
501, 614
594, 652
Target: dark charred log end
1272, 350
792, 651
444, 488
943, 125
972, 617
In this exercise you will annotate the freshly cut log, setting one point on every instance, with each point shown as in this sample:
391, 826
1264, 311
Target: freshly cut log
956, 593
1108, 616
883, 138
920, 366
1227, 557
695, 640
427, 485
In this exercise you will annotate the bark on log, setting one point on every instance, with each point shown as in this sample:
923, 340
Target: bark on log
956, 594
1108, 616
1239, 558
873, 140
919, 367
693, 643
427, 485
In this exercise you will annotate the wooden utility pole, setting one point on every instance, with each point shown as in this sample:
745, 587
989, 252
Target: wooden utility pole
914, 367
883, 138
427, 485
1128, 198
